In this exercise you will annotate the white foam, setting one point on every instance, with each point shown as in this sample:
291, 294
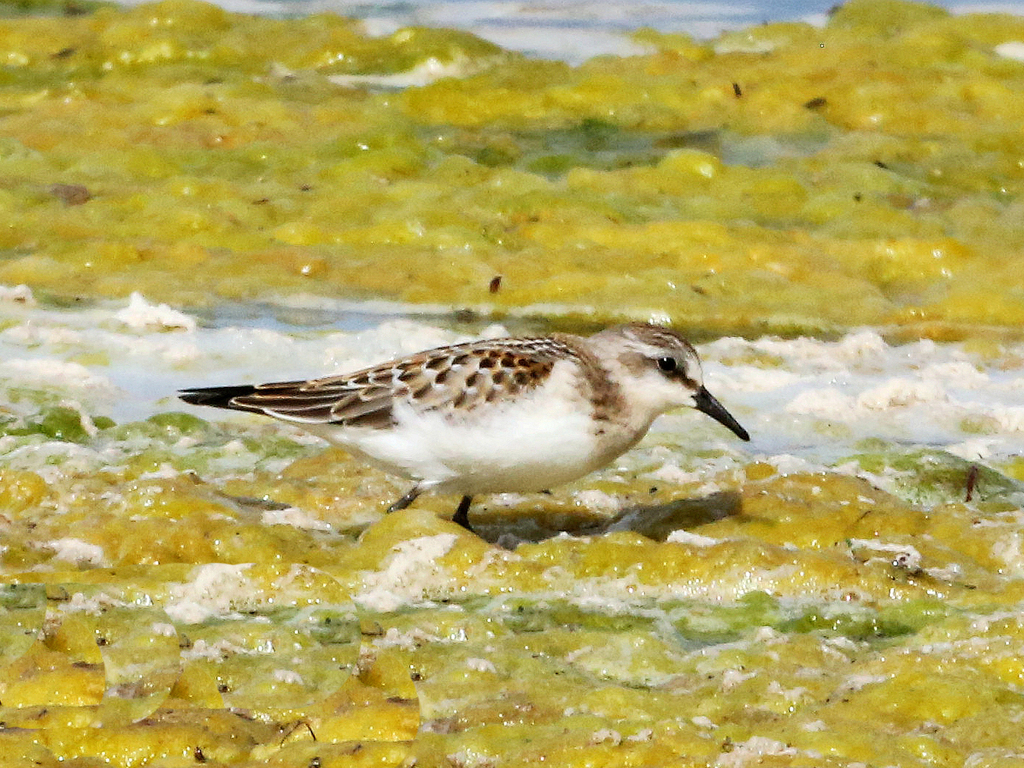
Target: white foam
481, 665
423, 73
140, 315
408, 573
693, 539
76, 552
19, 294
48, 372
295, 518
593, 499
287, 676
902, 555
753, 751
1011, 50
215, 590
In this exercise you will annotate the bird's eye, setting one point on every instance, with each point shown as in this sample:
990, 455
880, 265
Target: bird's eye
667, 364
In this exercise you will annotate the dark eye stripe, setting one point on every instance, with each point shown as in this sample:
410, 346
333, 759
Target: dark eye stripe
674, 369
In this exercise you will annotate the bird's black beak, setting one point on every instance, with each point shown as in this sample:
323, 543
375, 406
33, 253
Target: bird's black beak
706, 403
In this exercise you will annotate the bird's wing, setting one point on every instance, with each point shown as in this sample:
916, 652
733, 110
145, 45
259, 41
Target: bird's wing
455, 378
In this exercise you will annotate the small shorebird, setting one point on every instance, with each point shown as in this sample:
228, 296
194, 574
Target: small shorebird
494, 416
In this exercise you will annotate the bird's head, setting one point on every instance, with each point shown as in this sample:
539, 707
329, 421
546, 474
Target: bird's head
664, 371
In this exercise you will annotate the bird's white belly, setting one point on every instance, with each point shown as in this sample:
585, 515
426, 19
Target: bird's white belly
528, 445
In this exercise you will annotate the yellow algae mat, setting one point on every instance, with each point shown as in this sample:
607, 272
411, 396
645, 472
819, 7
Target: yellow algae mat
780, 178
808, 619
179, 591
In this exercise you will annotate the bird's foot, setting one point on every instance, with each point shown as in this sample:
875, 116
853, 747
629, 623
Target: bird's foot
461, 516
406, 500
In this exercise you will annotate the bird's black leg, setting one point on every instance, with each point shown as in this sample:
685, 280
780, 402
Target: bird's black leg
406, 500
462, 513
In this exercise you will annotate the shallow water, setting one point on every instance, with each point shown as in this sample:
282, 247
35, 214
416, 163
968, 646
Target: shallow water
813, 400
572, 30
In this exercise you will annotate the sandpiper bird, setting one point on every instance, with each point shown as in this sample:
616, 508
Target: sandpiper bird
494, 416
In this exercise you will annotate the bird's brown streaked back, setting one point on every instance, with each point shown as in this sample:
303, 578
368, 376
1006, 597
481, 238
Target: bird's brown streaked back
460, 377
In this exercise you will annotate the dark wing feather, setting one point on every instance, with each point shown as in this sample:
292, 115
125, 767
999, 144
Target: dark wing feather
459, 377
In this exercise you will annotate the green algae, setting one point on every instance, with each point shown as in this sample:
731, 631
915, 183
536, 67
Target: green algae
929, 476
58, 423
